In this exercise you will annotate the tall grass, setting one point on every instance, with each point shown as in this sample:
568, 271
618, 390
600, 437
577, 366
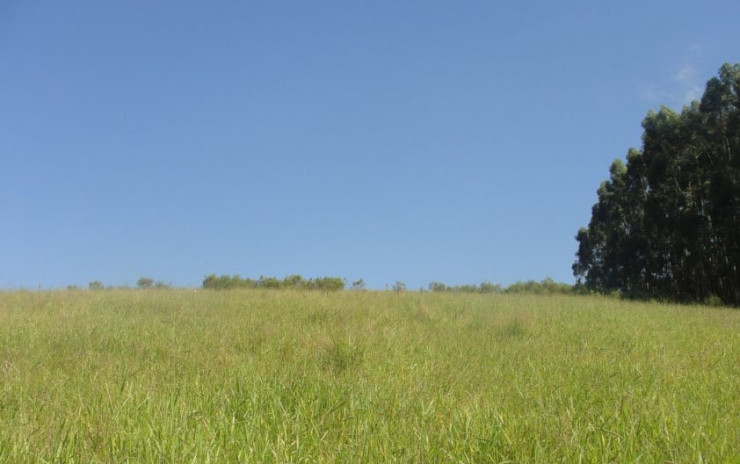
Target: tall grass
179, 376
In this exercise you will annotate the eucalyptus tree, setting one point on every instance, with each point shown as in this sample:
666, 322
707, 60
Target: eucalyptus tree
667, 225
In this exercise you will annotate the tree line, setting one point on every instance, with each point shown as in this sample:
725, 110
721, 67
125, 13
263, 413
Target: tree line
224, 282
667, 223
545, 287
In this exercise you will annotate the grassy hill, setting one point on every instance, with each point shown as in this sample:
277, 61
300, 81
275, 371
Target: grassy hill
286, 376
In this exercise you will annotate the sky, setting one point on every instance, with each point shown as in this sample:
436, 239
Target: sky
412, 141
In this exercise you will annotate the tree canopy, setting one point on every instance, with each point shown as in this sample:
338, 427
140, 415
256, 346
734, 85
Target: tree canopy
667, 223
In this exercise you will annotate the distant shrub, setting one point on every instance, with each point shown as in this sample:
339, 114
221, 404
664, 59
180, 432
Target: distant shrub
437, 287
293, 281
484, 287
96, 285
225, 282
145, 282
326, 283
545, 287
399, 287
488, 287
269, 282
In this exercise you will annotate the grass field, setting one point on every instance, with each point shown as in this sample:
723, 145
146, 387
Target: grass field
178, 376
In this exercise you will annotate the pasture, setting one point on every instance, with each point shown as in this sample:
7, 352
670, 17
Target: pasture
177, 376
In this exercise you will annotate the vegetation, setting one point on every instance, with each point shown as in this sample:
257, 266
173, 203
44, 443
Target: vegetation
667, 225
484, 287
399, 287
545, 287
358, 284
225, 282
290, 376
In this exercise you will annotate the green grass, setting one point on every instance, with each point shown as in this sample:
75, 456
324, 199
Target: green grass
178, 376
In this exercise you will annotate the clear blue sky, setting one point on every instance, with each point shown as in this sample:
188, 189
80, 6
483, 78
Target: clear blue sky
393, 141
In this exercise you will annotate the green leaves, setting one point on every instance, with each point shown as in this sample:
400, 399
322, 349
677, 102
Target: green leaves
667, 224
225, 282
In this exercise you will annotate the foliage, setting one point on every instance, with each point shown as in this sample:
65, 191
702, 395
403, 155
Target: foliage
96, 285
225, 282
325, 283
358, 284
145, 282
667, 224
547, 286
488, 287
399, 287
437, 287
